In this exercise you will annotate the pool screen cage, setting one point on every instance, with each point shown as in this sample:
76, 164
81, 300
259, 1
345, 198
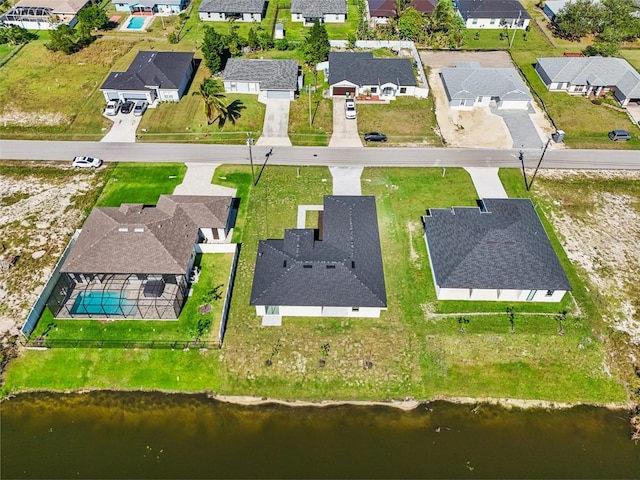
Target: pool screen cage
118, 296
27, 14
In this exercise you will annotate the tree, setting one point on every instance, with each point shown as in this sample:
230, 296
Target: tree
236, 44
411, 25
214, 50
578, 19
401, 6
252, 39
93, 17
15, 35
316, 47
215, 106
63, 39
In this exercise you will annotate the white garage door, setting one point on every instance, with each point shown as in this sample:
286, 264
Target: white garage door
279, 94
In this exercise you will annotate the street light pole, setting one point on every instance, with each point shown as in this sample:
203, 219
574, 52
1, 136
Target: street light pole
249, 144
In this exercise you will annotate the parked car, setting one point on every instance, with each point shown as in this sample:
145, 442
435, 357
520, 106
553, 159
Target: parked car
112, 108
350, 108
375, 137
140, 107
127, 107
616, 135
86, 162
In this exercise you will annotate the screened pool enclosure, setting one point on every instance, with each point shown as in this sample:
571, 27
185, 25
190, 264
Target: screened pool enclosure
118, 296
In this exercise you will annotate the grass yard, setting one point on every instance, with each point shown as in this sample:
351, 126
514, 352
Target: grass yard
489, 39
632, 56
320, 131
211, 289
140, 183
406, 120
296, 32
185, 121
586, 125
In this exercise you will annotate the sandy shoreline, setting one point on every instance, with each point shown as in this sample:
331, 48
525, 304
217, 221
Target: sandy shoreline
406, 405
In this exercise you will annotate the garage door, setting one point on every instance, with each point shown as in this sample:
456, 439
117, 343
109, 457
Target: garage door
112, 95
279, 94
344, 91
135, 96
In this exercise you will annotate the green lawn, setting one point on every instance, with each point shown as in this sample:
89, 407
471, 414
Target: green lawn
140, 183
321, 111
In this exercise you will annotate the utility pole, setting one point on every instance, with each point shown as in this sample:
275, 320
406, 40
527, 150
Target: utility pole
540, 162
524, 172
515, 29
249, 144
309, 90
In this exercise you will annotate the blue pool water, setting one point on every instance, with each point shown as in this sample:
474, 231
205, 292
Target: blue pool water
135, 23
102, 303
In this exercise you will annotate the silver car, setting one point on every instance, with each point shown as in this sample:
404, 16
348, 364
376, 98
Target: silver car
112, 108
140, 107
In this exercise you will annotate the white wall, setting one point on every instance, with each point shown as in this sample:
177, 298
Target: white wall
497, 295
514, 105
241, 87
494, 23
299, 311
215, 247
169, 95
334, 18
221, 17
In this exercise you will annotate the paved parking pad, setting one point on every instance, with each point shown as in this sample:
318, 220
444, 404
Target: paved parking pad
345, 131
123, 129
276, 123
522, 129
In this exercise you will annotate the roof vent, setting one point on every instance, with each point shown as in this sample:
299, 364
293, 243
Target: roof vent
123, 229
307, 265
353, 264
284, 264
138, 229
331, 266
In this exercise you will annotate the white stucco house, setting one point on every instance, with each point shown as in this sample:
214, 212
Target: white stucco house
237, 10
493, 14
162, 76
43, 14
497, 251
333, 271
277, 79
591, 76
324, 11
360, 73
150, 7
467, 84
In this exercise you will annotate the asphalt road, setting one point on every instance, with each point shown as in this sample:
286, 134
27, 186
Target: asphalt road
370, 156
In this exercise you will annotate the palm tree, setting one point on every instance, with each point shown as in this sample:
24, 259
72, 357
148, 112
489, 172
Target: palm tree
215, 106
232, 113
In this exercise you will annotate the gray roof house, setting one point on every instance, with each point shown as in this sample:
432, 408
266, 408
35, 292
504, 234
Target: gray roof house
493, 13
238, 10
497, 251
335, 270
591, 76
271, 78
135, 261
467, 84
42, 14
328, 11
152, 76
150, 7
357, 73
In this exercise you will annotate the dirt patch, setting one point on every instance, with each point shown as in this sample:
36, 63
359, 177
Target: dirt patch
449, 59
37, 218
605, 243
16, 117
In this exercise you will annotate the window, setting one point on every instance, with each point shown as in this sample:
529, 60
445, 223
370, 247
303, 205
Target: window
388, 91
549, 293
355, 309
474, 21
403, 89
233, 86
374, 89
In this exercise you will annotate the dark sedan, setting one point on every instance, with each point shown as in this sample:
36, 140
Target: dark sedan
375, 137
127, 107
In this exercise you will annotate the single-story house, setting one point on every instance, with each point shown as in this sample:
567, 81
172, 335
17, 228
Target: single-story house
356, 73
43, 14
493, 13
552, 8
591, 76
324, 11
333, 271
150, 7
162, 76
497, 251
274, 78
467, 84
135, 261
238, 10
380, 11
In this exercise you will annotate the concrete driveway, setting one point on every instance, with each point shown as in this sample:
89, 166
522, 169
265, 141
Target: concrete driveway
345, 132
123, 129
521, 127
275, 130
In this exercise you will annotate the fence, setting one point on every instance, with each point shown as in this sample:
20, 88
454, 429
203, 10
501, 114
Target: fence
227, 300
43, 342
38, 307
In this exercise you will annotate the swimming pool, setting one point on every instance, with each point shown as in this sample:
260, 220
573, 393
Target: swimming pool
136, 23
103, 303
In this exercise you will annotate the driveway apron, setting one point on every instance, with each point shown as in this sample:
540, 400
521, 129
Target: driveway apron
346, 180
522, 129
276, 123
487, 182
345, 132
197, 181
123, 129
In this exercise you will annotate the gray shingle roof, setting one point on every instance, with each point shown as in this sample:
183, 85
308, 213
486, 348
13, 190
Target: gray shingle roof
134, 238
492, 9
597, 71
272, 74
387, 8
505, 247
165, 70
318, 8
343, 269
470, 80
232, 6
361, 68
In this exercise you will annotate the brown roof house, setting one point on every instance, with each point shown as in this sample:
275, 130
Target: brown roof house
135, 261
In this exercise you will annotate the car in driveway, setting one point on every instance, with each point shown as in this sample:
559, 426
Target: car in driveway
140, 107
127, 107
375, 137
112, 108
616, 135
86, 162
350, 108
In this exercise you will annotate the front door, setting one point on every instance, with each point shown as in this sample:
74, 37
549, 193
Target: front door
532, 294
273, 310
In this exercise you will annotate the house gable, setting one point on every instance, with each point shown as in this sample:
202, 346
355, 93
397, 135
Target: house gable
362, 69
270, 74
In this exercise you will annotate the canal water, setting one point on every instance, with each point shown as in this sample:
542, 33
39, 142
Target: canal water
152, 435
